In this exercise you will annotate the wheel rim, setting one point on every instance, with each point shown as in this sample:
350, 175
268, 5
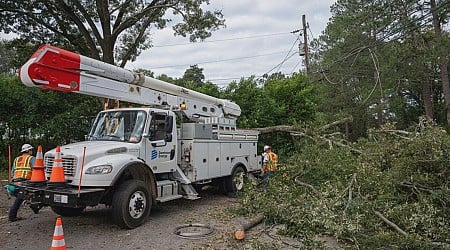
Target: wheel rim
238, 179
137, 204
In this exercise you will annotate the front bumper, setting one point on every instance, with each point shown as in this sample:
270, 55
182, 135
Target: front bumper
63, 196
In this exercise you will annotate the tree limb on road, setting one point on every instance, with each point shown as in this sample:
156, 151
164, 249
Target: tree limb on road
390, 223
282, 128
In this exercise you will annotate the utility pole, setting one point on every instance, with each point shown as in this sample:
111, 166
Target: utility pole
305, 44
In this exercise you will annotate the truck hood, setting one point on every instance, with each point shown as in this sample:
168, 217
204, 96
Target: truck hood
95, 148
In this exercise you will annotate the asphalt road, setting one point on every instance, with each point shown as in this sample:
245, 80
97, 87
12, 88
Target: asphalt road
94, 229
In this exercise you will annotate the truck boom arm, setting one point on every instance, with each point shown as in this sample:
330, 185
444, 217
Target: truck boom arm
57, 69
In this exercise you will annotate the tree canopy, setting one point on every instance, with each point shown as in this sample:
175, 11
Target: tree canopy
384, 61
114, 31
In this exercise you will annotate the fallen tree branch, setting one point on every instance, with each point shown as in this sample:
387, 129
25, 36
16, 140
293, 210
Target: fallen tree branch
390, 223
399, 133
417, 188
340, 144
239, 234
284, 128
338, 122
398, 229
301, 134
308, 186
349, 188
394, 131
291, 129
295, 133
441, 244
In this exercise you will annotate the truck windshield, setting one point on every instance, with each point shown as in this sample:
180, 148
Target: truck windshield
118, 125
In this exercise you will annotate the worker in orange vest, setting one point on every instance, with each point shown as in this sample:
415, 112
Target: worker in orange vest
270, 162
22, 167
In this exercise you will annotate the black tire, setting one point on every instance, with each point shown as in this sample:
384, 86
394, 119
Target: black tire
131, 204
222, 185
68, 211
235, 182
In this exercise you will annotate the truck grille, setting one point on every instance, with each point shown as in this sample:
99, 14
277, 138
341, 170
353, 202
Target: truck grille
69, 164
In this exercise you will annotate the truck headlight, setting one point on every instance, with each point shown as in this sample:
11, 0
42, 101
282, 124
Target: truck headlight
100, 169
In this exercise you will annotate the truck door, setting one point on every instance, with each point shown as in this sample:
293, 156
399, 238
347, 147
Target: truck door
160, 143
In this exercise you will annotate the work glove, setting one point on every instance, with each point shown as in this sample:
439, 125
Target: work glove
10, 189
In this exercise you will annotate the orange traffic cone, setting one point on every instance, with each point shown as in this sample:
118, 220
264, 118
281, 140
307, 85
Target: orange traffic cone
57, 177
38, 173
58, 242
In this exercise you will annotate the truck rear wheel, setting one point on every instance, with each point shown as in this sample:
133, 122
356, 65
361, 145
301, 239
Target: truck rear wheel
235, 182
131, 204
68, 211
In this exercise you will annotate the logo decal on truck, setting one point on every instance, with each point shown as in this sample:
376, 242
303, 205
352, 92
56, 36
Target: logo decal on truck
154, 154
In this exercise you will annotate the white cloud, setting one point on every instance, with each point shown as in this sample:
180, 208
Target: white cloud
244, 18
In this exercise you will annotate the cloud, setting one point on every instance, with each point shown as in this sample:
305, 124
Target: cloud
244, 19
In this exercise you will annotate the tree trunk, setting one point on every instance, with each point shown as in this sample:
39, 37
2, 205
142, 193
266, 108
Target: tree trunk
443, 62
427, 98
346, 124
108, 57
107, 44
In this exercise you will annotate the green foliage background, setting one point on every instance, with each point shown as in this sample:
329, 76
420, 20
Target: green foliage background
46, 118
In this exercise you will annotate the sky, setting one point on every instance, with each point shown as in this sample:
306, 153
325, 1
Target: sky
256, 40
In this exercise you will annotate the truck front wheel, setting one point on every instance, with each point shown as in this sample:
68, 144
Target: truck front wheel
131, 204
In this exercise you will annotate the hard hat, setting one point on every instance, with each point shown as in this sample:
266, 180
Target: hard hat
266, 147
26, 147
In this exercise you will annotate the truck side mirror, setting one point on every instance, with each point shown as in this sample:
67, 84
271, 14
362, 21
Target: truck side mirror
169, 124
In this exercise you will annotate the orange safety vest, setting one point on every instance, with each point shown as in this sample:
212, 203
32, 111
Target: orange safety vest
271, 164
22, 167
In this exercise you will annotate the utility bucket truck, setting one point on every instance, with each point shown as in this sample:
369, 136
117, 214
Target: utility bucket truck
134, 157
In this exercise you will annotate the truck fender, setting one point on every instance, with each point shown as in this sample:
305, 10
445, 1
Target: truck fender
117, 161
238, 164
124, 167
136, 170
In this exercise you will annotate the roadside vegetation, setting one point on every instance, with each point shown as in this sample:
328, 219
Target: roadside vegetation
389, 190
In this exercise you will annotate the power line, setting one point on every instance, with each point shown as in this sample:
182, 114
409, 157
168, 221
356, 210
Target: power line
223, 40
293, 69
290, 50
287, 57
216, 61
246, 77
281, 63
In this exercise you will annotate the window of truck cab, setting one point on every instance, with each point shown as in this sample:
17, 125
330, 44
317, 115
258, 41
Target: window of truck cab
157, 128
119, 125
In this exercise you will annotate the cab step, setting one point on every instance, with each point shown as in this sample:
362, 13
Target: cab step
167, 190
